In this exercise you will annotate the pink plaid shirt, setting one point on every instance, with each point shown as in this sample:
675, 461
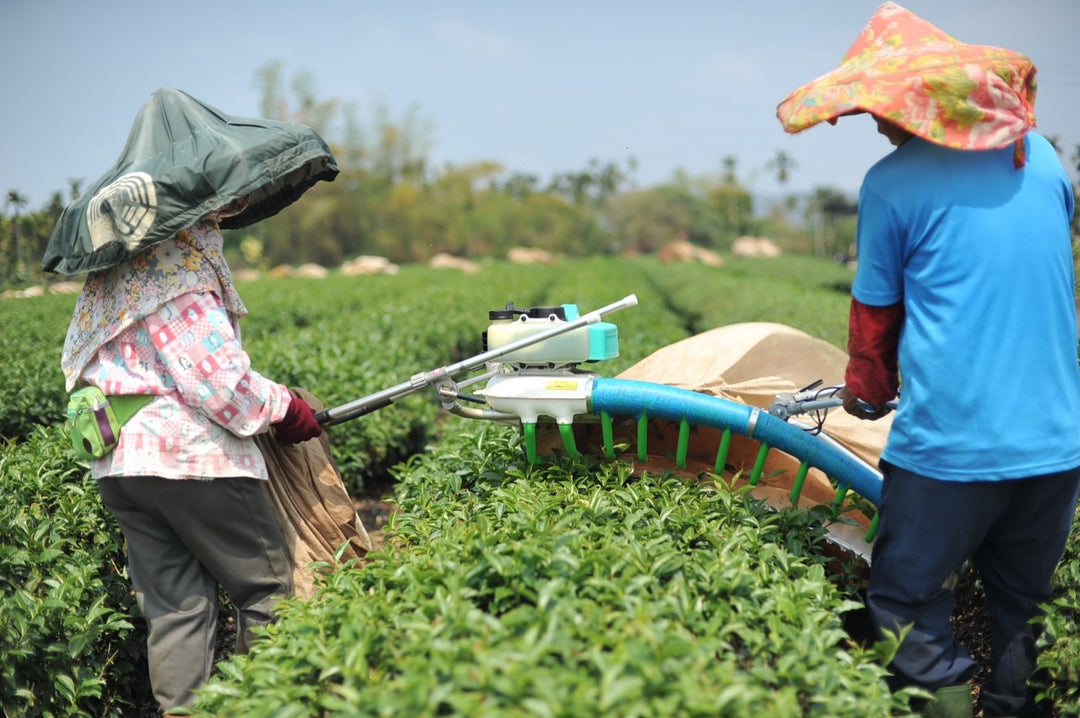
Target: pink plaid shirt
209, 401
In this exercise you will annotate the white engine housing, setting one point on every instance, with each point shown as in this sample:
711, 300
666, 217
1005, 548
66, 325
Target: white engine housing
530, 394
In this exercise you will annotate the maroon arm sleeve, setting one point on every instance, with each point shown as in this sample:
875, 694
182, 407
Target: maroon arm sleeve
873, 344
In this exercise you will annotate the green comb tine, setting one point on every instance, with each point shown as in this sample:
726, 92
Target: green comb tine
530, 442
643, 437
567, 432
722, 452
759, 465
609, 435
872, 531
800, 479
841, 494
684, 444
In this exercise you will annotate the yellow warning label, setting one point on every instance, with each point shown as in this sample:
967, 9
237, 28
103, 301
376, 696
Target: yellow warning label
561, 385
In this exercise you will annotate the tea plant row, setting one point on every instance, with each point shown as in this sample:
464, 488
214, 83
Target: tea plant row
570, 590
565, 589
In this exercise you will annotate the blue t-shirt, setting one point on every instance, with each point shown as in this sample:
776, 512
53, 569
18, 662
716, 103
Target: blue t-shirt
980, 254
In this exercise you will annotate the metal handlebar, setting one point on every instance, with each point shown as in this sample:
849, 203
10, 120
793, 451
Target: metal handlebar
786, 405
444, 375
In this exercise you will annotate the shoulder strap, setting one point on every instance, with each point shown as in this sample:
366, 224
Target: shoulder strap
124, 406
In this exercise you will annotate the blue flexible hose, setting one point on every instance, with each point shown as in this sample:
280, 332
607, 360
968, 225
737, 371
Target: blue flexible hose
628, 397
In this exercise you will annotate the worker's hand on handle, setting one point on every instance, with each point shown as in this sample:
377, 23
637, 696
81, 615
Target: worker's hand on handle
859, 408
299, 423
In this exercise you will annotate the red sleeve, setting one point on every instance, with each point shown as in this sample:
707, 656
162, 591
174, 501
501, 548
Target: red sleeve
873, 344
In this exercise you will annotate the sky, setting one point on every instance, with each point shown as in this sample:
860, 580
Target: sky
539, 87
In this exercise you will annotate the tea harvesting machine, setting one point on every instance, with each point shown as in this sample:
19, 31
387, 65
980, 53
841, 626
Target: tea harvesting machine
531, 368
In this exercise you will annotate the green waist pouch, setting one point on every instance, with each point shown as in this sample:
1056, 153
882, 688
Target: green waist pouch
94, 420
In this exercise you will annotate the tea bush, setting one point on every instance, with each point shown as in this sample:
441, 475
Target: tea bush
68, 645
799, 291
344, 338
1060, 643
32, 391
572, 590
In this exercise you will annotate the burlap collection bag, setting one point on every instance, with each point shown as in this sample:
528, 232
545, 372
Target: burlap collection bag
314, 510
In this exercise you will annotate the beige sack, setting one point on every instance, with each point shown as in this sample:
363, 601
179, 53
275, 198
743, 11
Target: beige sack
314, 510
753, 362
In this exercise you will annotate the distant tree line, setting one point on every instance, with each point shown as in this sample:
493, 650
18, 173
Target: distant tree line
389, 201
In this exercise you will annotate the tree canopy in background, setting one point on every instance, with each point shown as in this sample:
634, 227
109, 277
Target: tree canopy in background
390, 201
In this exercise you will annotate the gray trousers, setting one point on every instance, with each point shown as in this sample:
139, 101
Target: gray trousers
184, 540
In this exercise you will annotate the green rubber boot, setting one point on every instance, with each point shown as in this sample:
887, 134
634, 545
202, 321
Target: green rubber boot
949, 702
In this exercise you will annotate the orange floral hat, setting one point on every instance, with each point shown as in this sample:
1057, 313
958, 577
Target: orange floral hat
910, 72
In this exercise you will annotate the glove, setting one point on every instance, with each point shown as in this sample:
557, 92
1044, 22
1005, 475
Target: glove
299, 423
859, 408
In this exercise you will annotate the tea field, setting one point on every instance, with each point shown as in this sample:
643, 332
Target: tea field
568, 588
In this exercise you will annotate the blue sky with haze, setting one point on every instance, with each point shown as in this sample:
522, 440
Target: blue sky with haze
541, 87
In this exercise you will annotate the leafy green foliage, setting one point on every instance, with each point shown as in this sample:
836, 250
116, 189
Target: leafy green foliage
799, 291
32, 392
571, 590
1060, 642
67, 641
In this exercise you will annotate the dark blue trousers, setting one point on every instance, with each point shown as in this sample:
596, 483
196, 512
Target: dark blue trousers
1013, 531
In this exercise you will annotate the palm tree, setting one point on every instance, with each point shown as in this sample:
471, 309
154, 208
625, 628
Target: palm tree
18, 202
729, 162
74, 188
783, 165
827, 205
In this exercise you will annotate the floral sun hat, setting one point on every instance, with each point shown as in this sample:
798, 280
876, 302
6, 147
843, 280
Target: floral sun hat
910, 72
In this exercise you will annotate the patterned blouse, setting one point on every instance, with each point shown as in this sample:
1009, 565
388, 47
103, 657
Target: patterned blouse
209, 401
